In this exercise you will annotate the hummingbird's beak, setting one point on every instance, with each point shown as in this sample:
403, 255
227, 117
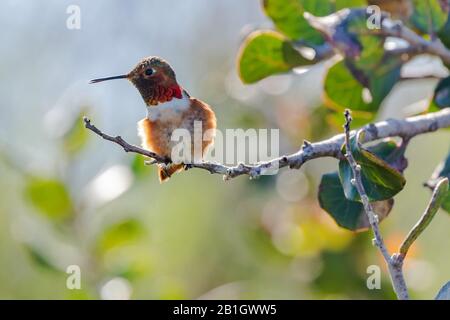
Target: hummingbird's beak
123, 76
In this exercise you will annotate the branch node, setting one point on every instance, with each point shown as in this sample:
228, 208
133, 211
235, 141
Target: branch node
306, 144
374, 242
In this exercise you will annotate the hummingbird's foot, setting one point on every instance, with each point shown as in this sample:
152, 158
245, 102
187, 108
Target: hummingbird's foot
150, 162
166, 161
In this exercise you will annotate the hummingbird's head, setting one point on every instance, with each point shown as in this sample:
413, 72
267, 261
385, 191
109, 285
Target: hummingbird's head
155, 80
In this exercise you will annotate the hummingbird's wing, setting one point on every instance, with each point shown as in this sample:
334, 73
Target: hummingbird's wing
204, 113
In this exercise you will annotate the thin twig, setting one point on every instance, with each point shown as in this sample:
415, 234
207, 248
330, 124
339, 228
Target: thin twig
395, 269
419, 45
439, 194
125, 145
388, 28
406, 128
425, 77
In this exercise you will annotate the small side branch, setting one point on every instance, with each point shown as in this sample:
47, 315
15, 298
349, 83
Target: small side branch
418, 44
125, 145
439, 194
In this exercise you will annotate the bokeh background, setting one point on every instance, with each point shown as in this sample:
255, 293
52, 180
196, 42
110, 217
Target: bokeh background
68, 198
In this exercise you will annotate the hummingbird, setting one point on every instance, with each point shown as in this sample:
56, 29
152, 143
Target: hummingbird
169, 107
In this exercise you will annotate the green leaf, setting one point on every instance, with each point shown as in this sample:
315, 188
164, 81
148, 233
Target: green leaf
265, 53
383, 77
121, 233
76, 136
365, 61
380, 180
441, 97
343, 90
287, 15
40, 258
444, 33
342, 4
371, 45
446, 203
442, 171
389, 151
398, 9
50, 197
444, 293
347, 213
326, 7
335, 119
428, 15
350, 35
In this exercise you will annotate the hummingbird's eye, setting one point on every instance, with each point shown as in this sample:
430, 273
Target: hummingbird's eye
149, 71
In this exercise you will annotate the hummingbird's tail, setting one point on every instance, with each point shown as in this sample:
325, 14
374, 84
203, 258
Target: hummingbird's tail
166, 171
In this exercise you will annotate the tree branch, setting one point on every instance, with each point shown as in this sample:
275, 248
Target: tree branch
394, 262
395, 268
388, 28
125, 145
405, 128
418, 44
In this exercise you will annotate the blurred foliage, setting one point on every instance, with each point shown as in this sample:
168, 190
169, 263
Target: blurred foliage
343, 263
119, 234
399, 9
76, 136
369, 69
336, 89
444, 33
40, 259
266, 53
288, 16
428, 16
441, 97
138, 169
361, 81
50, 196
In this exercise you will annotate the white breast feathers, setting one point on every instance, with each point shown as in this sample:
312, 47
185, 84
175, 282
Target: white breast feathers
169, 110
